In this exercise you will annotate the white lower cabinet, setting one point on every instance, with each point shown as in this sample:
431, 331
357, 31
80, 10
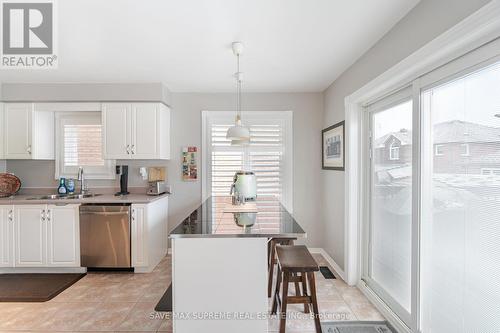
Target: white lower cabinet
63, 236
139, 234
39, 236
6, 236
30, 236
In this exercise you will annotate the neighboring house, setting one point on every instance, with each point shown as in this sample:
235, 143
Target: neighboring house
459, 147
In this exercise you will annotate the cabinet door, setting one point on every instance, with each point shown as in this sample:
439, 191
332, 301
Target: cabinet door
2, 131
63, 236
139, 236
164, 131
6, 236
17, 126
30, 235
116, 124
145, 138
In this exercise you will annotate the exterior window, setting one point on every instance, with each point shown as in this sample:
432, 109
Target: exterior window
439, 151
464, 149
79, 143
268, 155
394, 151
490, 171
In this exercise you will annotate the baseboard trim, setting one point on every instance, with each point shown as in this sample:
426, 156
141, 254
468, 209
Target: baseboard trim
49, 270
391, 317
330, 260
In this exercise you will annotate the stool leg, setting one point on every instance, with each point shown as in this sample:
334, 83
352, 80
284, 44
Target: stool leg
271, 268
312, 287
284, 301
304, 291
276, 292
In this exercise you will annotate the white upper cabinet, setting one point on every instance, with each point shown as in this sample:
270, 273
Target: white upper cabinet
136, 130
116, 123
28, 134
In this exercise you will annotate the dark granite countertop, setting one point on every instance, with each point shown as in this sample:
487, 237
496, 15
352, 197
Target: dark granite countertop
216, 217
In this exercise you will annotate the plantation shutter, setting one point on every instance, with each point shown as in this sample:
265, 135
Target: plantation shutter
265, 155
82, 145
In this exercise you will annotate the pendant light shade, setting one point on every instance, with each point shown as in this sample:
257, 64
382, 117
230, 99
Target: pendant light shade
238, 134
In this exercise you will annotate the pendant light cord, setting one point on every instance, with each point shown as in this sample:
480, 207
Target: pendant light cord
238, 87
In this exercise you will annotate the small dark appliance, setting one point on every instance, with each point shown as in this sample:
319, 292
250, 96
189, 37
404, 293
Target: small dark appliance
122, 170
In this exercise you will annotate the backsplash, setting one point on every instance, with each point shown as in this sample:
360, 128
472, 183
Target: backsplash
40, 174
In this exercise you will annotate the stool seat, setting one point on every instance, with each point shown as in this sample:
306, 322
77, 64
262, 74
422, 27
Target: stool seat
296, 258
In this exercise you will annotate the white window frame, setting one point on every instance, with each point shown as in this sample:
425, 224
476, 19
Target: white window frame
436, 150
287, 116
467, 149
480, 28
108, 171
490, 171
394, 151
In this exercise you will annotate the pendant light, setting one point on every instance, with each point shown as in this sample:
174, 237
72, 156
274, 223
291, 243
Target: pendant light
238, 134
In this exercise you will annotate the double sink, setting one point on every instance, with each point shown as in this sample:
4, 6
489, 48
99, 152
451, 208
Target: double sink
65, 197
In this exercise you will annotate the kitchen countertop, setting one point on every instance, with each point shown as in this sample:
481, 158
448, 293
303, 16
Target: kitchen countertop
25, 199
212, 219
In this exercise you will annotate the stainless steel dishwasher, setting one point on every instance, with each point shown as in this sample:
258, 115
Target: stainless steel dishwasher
105, 236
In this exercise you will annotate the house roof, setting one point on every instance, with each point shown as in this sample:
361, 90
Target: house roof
448, 132
403, 135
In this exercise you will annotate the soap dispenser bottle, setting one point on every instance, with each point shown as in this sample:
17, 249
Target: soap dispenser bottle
62, 189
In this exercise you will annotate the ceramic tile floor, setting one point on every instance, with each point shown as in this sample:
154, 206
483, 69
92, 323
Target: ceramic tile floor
124, 302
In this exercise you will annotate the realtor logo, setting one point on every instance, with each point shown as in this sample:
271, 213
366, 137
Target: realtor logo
28, 32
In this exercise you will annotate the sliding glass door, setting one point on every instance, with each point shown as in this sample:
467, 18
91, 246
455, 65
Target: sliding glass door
388, 265
431, 219
461, 236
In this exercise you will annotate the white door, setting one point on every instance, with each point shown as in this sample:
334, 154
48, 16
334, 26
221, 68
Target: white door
145, 127
138, 235
388, 265
63, 236
30, 235
116, 130
17, 137
6, 237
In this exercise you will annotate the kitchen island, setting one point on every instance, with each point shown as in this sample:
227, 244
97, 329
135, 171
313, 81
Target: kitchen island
219, 264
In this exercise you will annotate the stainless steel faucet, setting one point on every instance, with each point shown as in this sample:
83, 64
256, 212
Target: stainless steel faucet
81, 178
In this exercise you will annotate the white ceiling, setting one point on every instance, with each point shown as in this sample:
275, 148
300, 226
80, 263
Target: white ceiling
290, 45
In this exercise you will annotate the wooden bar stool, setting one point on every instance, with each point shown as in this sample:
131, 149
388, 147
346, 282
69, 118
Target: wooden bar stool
294, 260
271, 258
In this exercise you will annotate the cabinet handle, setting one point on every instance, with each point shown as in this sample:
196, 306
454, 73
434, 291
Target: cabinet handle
28, 149
10, 216
133, 214
43, 215
133, 149
48, 215
128, 149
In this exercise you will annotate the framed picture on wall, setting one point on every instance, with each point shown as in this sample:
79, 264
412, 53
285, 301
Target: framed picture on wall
333, 146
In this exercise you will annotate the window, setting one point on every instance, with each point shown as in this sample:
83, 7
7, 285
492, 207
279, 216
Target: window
394, 151
438, 150
490, 171
268, 155
464, 149
79, 143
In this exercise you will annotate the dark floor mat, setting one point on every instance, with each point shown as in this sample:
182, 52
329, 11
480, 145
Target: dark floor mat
34, 287
327, 273
165, 303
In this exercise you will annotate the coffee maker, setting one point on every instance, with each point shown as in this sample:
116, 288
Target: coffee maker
122, 170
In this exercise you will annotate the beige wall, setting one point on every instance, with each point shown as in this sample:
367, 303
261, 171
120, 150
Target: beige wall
423, 23
186, 130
